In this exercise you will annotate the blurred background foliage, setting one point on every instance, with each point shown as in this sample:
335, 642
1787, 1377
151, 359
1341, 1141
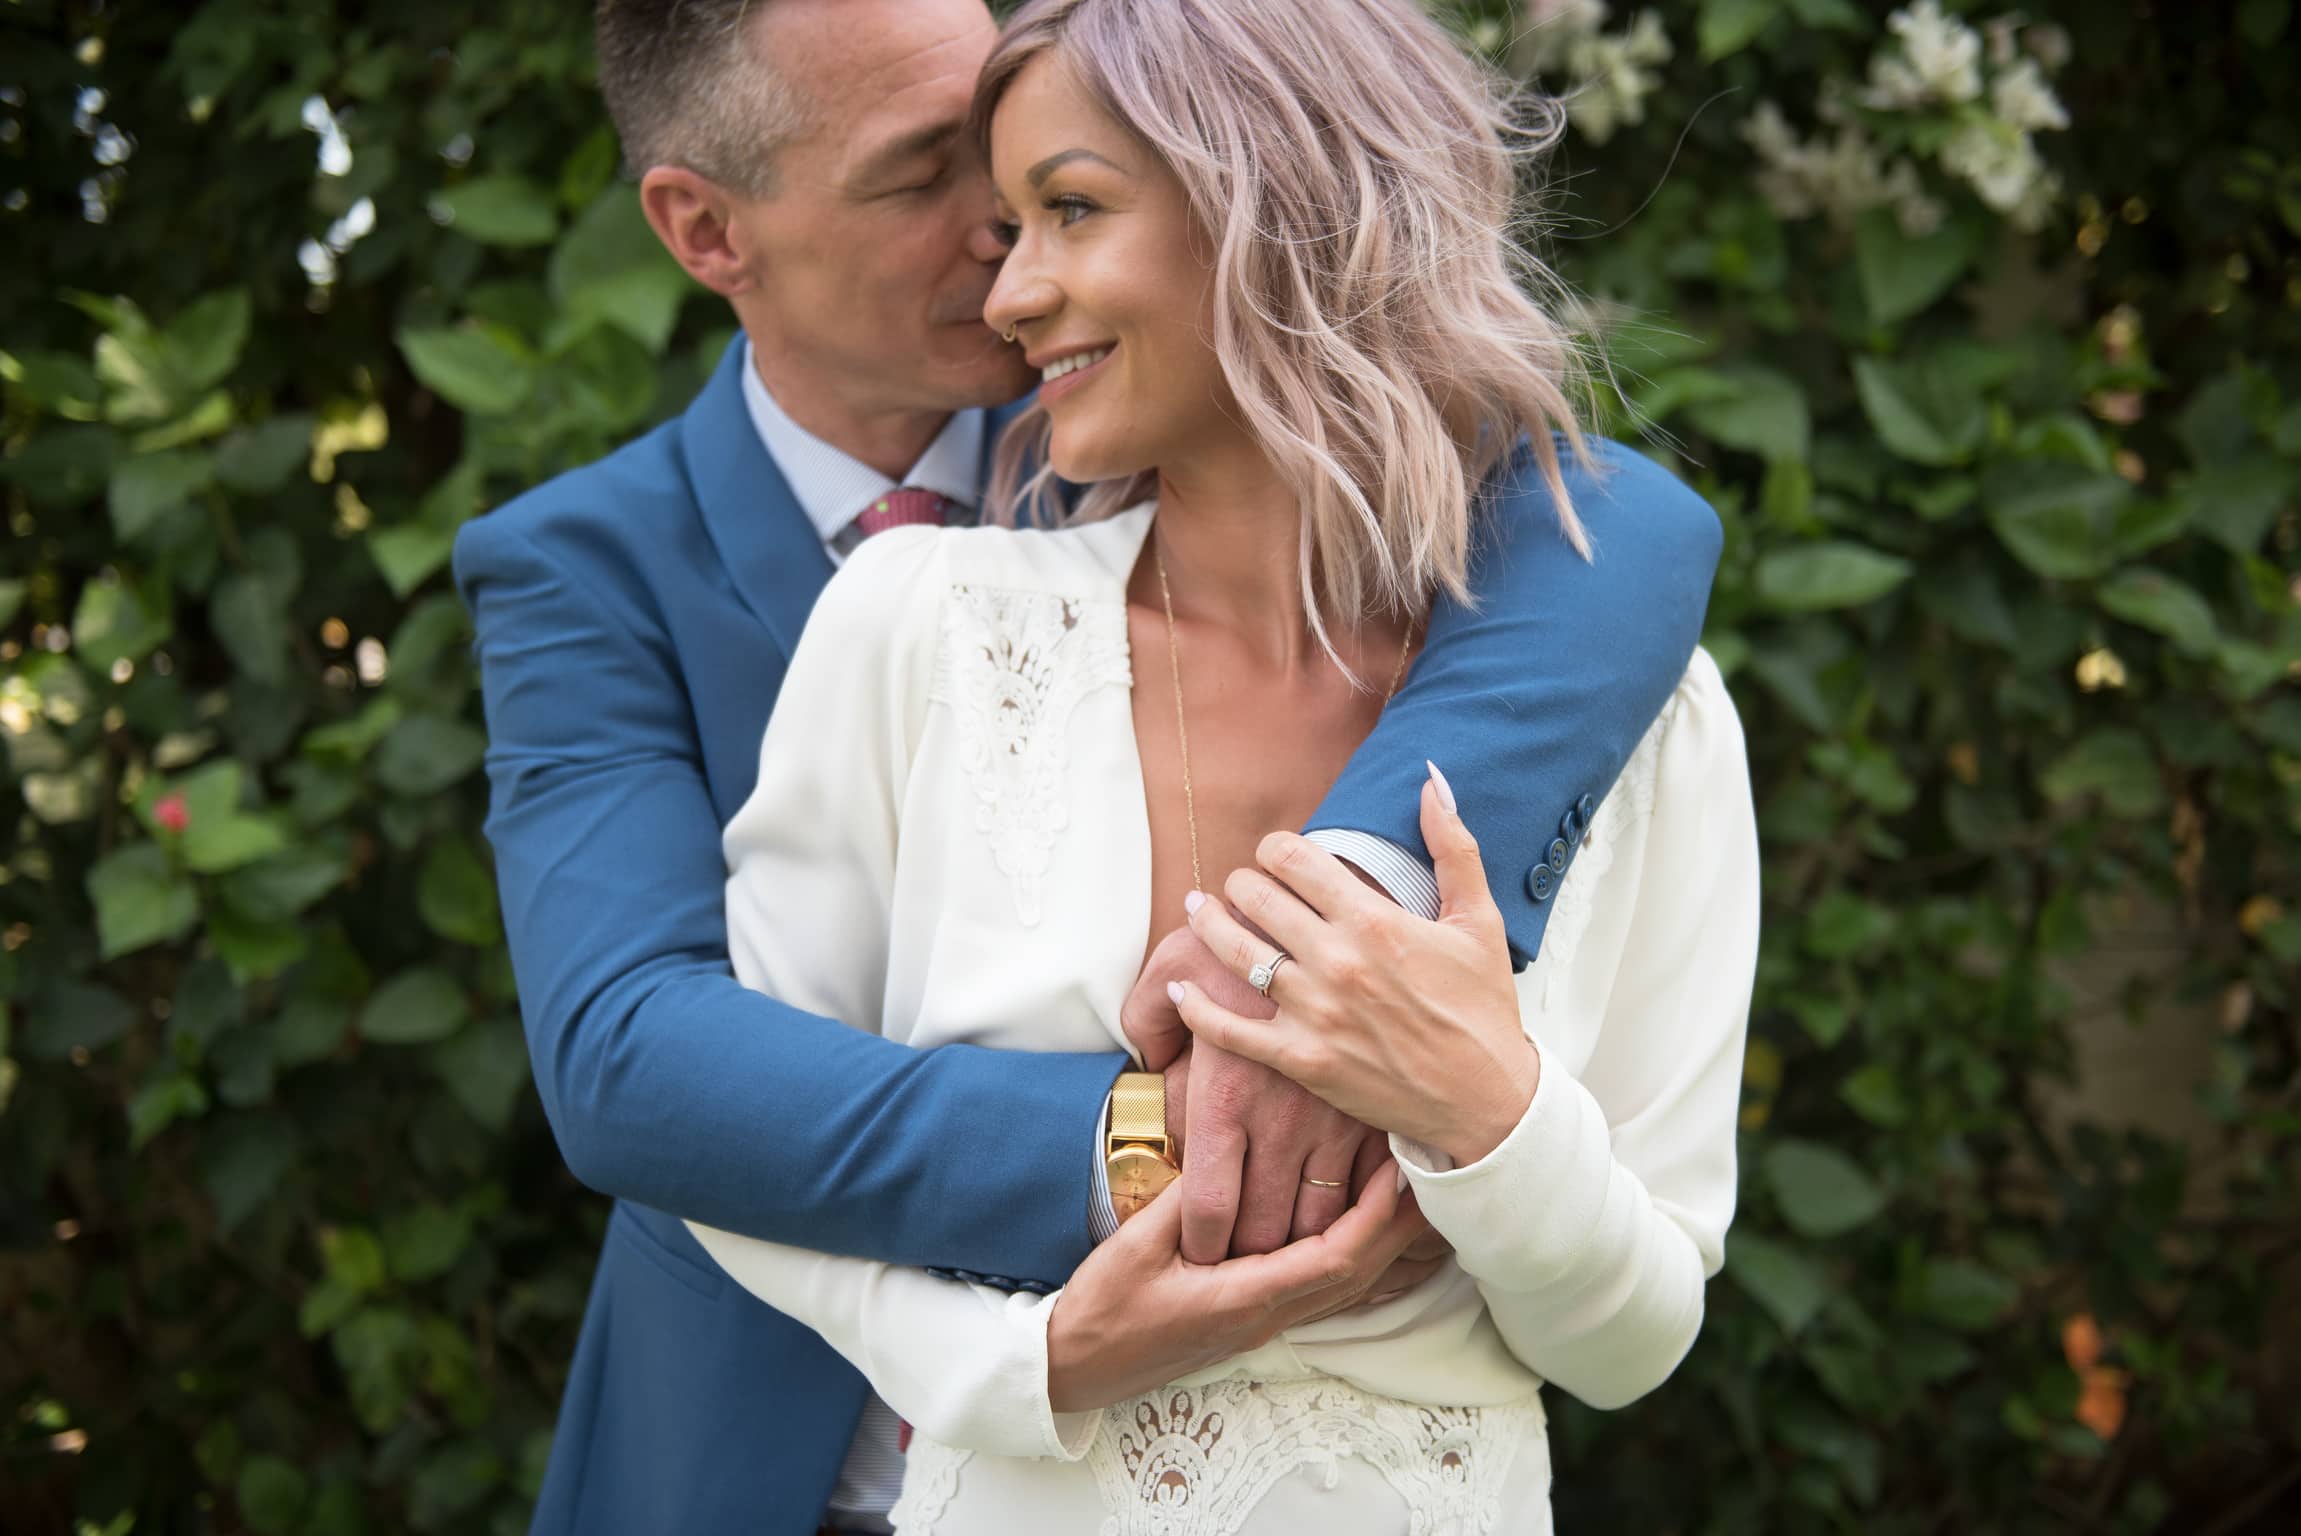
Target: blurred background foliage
1983, 334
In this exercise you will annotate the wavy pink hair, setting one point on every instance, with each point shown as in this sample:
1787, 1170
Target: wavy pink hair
1355, 173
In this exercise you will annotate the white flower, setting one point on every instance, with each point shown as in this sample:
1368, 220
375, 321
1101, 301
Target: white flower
2022, 99
1940, 60
1613, 75
1840, 177
2003, 167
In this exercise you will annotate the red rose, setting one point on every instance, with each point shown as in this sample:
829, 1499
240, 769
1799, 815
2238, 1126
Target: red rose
172, 813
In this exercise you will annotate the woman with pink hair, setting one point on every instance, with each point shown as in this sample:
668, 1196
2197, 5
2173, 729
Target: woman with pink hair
1262, 252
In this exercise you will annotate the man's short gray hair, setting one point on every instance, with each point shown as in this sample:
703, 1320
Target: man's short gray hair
688, 85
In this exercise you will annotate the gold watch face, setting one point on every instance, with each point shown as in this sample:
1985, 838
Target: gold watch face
1137, 1175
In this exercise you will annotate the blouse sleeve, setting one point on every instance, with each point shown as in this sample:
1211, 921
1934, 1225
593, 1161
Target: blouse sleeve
808, 896
1592, 1229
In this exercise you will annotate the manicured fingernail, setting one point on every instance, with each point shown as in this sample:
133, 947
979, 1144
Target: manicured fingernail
1174, 993
1192, 902
1445, 790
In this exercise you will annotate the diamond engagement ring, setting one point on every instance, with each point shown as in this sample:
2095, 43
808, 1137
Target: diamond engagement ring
1262, 975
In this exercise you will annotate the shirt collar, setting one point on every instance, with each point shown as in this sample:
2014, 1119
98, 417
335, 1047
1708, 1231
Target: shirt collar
833, 487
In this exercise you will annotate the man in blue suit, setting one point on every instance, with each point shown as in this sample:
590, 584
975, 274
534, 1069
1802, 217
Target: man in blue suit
805, 160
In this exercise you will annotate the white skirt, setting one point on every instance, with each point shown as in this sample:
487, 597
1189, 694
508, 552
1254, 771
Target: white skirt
1242, 1458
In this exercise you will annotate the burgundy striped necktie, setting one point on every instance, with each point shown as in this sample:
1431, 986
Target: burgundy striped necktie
901, 508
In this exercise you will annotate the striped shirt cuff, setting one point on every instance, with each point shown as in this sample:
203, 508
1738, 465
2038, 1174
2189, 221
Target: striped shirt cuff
1410, 882
1102, 1216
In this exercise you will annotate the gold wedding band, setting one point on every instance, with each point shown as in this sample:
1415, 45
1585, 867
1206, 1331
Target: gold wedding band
1324, 1183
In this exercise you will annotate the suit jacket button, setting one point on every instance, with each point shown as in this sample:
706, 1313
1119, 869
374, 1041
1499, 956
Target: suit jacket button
1541, 882
1558, 852
1571, 826
1586, 807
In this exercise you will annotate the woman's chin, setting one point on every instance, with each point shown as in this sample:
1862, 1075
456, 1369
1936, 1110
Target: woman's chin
1084, 462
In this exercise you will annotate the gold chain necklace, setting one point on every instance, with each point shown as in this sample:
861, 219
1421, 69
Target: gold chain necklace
1182, 731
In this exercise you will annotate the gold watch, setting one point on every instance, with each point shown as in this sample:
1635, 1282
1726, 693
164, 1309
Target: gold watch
1136, 1151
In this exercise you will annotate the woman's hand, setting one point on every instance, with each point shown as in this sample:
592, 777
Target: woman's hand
1137, 1314
1410, 1026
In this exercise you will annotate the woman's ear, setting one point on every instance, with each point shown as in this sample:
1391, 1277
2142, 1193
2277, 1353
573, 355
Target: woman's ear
694, 217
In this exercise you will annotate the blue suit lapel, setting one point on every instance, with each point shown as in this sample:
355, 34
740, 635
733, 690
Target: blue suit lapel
772, 553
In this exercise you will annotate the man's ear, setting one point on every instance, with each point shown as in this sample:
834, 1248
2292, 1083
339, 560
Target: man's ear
693, 217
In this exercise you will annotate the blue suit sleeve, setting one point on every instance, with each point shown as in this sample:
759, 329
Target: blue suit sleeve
665, 1081
1532, 700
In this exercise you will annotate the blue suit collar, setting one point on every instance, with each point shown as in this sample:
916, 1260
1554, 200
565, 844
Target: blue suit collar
771, 551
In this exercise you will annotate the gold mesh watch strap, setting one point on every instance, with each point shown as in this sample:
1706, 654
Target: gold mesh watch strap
1138, 1109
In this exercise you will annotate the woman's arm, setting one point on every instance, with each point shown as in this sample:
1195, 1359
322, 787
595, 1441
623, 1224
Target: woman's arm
1594, 1225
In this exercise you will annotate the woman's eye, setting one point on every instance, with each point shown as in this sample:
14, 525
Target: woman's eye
1069, 208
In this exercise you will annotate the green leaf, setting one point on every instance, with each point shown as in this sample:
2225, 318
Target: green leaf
2237, 502
250, 619
160, 1103
408, 554
1832, 574
424, 754
1822, 1192
424, 1243
1901, 274
242, 1160
1729, 26
486, 1068
413, 1007
1790, 1286
279, 887
349, 741
73, 1016
1961, 1294
309, 1028
2114, 762
610, 269
1921, 410
2060, 521
353, 1259
148, 488
140, 900
502, 210
115, 622
206, 340
2156, 601
259, 460
473, 369
272, 1495
1875, 1093
456, 895
1761, 412
255, 950
55, 381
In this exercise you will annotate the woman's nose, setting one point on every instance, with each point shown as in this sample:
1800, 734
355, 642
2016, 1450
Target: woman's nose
1018, 298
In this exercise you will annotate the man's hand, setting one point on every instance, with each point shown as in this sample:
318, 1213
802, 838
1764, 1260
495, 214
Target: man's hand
1137, 1315
1254, 1139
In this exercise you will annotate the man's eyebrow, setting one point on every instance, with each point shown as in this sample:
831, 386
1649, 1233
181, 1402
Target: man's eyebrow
1037, 175
920, 141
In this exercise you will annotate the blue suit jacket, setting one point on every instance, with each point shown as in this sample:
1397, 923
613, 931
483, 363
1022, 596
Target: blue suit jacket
634, 620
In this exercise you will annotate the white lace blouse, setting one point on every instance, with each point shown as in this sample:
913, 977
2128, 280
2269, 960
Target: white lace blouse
948, 837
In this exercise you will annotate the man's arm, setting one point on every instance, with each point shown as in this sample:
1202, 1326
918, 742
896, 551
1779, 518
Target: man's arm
1534, 701
666, 1082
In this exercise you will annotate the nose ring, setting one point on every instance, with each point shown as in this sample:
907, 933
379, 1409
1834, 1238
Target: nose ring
1008, 334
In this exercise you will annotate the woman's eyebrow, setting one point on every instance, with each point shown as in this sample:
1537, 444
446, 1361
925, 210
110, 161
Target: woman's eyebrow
1037, 175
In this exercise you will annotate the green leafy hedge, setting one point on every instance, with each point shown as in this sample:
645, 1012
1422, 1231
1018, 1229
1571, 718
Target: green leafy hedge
2003, 414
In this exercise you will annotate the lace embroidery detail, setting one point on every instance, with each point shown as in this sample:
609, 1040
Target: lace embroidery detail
1012, 667
930, 1482
1630, 803
1195, 1461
